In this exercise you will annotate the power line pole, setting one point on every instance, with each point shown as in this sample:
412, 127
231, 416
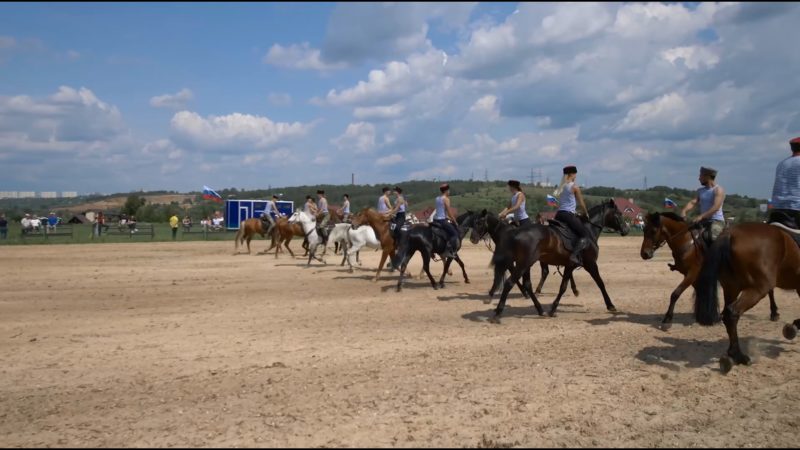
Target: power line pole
486, 175
645, 183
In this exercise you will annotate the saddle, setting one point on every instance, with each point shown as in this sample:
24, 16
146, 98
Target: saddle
787, 223
568, 237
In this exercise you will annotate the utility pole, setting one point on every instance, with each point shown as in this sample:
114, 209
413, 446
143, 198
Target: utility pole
352, 179
486, 175
645, 183
531, 178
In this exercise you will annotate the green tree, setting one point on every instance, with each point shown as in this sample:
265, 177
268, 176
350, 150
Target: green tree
132, 204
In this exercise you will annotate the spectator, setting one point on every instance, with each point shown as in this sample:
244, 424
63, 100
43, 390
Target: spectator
27, 224
3, 227
100, 222
187, 224
132, 225
52, 222
173, 223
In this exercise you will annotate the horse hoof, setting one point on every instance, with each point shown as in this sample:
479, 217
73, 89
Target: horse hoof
466, 281
774, 317
495, 320
789, 331
538, 292
577, 293
487, 301
441, 285
725, 365
666, 326
551, 314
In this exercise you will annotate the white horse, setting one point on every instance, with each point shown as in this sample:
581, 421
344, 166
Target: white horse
309, 225
363, 236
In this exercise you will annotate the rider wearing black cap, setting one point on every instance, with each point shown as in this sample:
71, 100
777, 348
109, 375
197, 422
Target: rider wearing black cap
322, 207
441, 215
570, 196
517, 206
399, 212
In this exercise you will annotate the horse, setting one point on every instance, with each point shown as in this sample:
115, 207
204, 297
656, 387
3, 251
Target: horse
520, 248
422, 239
247, 230
488, 223
748, 260
309, 225
688, 251
284, 232
380, 224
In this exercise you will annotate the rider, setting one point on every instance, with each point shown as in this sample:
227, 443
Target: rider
441, 215
322, 207
786, 191
346, 208
384, 204
269, 211
570, 197
310, 208
517, 205
399, 211
711, 197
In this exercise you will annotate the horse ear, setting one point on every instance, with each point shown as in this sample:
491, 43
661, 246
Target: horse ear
483, 213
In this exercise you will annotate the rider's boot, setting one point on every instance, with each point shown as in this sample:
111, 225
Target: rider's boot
580, 246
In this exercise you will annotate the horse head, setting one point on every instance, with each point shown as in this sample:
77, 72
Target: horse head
480, 227
613, 218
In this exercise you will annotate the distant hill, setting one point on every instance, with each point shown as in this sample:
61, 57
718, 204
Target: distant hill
473, 195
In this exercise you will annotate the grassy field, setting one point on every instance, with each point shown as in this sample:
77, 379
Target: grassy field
82, 234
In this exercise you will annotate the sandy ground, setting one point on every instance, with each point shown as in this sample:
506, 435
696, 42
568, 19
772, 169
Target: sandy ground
184, 344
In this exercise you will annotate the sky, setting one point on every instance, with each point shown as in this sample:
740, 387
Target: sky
159, 96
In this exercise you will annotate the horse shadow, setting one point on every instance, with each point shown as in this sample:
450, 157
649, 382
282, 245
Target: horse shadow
693, 353
652, 320
520, 312
354, 277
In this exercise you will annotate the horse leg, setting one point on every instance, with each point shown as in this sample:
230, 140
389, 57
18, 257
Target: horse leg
545, 272
426, 266
447, 263
526, 281
773, 307
594, 271
561, 290
730, 317
380, 266
572, 285
666, 323
463, 270
249, 238
507, 285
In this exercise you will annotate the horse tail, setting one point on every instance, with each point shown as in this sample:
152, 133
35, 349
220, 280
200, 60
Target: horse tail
706, 300
239, 238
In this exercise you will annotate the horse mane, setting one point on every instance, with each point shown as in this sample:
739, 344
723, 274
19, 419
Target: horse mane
672, 216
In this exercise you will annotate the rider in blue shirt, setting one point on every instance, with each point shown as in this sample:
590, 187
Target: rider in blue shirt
786, 191
441, 215
570, 196
517, 206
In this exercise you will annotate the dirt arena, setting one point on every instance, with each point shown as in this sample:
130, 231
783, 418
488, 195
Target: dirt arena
184, 344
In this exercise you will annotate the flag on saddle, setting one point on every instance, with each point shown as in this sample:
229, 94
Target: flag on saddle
669, 203
552, 201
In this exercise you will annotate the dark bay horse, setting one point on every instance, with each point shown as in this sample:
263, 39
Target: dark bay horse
488, 223
421, 238
520, 248
748, 261
688, 251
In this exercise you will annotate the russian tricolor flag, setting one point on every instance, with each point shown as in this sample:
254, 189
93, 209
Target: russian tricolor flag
669, 203
552, 201
210, 194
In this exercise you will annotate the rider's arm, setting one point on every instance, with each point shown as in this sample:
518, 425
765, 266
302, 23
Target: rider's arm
689, 206
447, 209
579, 196
719, 197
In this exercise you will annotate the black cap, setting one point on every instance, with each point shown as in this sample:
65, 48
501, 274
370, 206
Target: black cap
708, 171
795, 144
398, 189
513, 183
570, 169
320, 191
385, 189
444, 187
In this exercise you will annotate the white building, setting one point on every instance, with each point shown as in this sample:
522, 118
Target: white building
8, 194
69, 194
26, 194
50, 194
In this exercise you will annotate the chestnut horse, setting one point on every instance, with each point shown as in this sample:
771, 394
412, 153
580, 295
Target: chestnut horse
380, 224
283, 232
688, 252
247, 230
749, 260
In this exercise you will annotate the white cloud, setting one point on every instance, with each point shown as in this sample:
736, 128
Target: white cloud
280, 99
321, 160
434, 172
693, 56
389, 160
379, 112
487, 106
234, 132
172, 101
298, 56
358, 137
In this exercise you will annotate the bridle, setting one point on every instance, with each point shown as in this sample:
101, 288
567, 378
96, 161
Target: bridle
669, 239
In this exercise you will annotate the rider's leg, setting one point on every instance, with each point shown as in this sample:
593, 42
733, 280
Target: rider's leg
575, 224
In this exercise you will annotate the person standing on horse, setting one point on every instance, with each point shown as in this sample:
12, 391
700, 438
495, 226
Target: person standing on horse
346, 208
786, 190
441, 216
399, 212
384, 204
322, 208
570, 196
270, 214
517, 206
710, 197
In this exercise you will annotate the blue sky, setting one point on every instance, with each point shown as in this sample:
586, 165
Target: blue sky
114, 97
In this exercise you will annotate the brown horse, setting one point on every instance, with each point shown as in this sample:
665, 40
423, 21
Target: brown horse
380, 224
687, 251
283, 232
748, 261
247, 231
